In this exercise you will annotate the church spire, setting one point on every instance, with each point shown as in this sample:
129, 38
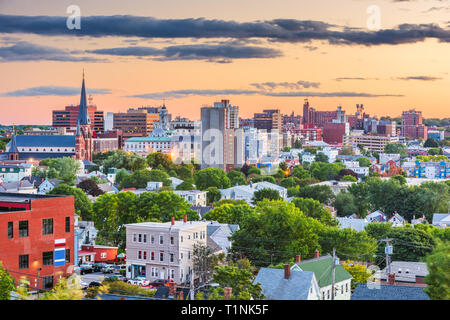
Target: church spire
83, 114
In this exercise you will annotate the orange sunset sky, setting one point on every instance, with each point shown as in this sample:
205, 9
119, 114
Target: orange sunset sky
257, 53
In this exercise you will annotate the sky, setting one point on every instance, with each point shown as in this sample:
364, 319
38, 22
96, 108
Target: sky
390, 55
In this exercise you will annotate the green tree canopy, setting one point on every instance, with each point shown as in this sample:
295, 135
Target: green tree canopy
230, 213
83, 206
438, 278
211, 177
266, 193
397, 148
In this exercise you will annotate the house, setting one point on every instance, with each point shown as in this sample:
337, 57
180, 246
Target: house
23, 186
220, 234
287, 284
157, 250
101, 253
376, 216
48, 185
194, 197
85, 233
108, 188
418, 220
15, 172
397, 220
352, 223
335, 186
175, 182
154, 185
441, 220
407, 272
322, 268
202, 210
389, 292
246, 193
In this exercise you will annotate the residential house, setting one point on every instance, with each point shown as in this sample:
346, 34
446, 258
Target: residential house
194, 197
377, 216
322, 268
352, 223
48, 185
287, 284
15, 172
220, 233
441, 220
246, 193
108, 188
397, 220
23, 186
175, 182
154, 185
158, 250
406, 273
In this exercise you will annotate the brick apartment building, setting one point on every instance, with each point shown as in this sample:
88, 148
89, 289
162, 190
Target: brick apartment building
37, 237
412, 126
67, 118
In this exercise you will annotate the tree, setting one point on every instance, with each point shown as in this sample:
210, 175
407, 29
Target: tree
90, 187
438, 278
300, 173
347, 172
397, 148
230, 213
410, 244
236, 178
139, 179
239, 276
83, 206
245, 168
213, 194
278, 232
211, 177
345, 204
65, 290
348, 178
203, 262
6, 283
287, 182
266, 193
359, 272
364, 162
138, 164
320, 193
321, 157
254, 170
185, 172
157, 158
347, 150
186, 185
264, 178
431, 143
314, 209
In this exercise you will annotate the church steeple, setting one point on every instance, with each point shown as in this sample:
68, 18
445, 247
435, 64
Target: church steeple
83, 114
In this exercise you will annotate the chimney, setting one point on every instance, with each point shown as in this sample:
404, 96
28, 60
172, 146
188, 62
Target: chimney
172, 289
391, 278
298, 259
185, 218
211, 205
316, 254
173, 220
287, 271
227, 293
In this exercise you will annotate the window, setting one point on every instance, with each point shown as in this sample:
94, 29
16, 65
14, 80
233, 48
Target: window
23, 261
67, 255
172, 273
67, 224
171, 241
145, 255
155, 272
342, 289
47, 282
145, 238
346, 287
189, 255
10, 230
181, 274
134, 237
47, 226
139, 237
47, 258
139, 255
161, 256
171, 258
323, 295
328, 294
103, 255
181, 238
161, 240
153, 256
181, 255
152, 239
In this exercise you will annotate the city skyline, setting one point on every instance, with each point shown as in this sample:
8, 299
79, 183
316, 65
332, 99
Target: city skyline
258, 57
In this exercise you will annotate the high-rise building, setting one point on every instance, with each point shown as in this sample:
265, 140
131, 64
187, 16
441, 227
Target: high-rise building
135, 122
67, 118
319, 118
222, 143
412, 126
334, 132
270, 119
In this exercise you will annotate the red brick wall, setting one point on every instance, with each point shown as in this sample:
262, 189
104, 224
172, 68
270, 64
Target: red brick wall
36, 243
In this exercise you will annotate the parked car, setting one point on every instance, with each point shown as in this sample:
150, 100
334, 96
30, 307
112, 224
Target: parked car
115, 277
86, 268
98, 266
120, 269
107, 269
94, 284
159, 283
139, 282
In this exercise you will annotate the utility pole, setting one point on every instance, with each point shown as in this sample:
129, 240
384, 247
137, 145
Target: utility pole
333, 271
388, 252
191, 284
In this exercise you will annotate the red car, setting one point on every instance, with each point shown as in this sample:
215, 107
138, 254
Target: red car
159, 283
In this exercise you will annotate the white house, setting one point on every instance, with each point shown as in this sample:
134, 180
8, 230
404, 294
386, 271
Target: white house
196, 198
175, 182
48, 185
246, 192
154, 185
15, 172
397, 220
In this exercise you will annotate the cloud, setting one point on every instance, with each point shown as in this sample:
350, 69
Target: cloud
422, 78
217, 53
177, 94
26, 51
279, 30
354, 78
286, 85
52, 91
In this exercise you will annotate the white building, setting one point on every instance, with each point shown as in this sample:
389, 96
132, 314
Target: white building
186, 141
331, 153
246, 192
163, 250
194, 197
154, 185
15, 172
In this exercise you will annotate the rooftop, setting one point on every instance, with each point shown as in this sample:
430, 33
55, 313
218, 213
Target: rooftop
24, 197
179, 225
389, 292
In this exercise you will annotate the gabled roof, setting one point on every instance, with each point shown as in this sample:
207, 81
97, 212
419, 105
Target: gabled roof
389, 292
441, 218
275, 287
64, 141
322, 268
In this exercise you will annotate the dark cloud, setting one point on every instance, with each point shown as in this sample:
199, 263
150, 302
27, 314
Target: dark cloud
422, 78
281, 30
354, 78
176, 94
25, 51
52, 91
216, 53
